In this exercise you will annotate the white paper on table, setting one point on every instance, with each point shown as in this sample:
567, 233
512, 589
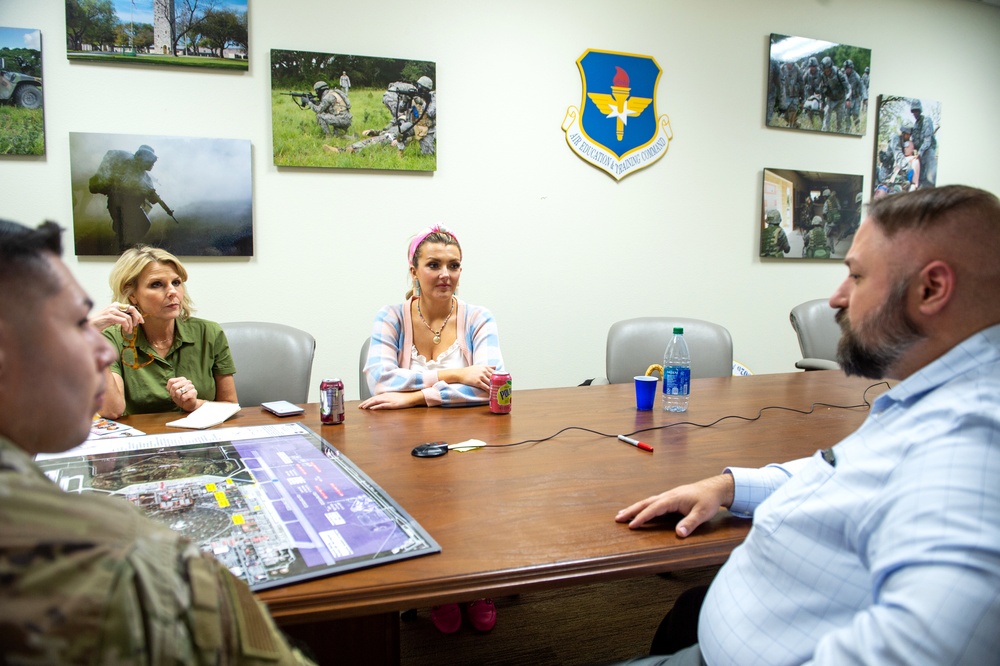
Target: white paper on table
206, 416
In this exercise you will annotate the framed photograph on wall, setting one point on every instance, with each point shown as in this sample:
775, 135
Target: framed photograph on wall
190, 196
817, 86
353, 112
906, 150
174, 33
808, 214
22, 113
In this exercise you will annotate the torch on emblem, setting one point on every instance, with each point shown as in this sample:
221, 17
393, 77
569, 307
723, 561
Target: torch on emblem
618, 104
616, 128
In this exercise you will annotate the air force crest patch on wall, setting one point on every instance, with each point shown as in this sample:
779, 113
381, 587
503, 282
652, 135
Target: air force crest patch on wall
616, 128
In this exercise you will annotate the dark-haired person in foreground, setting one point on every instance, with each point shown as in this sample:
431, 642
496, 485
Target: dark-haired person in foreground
884, 549
86, 579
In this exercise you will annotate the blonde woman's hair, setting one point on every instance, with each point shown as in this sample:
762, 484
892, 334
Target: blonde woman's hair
124, 279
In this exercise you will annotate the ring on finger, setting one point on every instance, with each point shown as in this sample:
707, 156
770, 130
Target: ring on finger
183, 390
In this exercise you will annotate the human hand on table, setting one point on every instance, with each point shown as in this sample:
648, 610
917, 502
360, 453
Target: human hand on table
698, 502
394, 400
476, 376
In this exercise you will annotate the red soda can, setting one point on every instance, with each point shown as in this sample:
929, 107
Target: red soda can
331, 402
500, 393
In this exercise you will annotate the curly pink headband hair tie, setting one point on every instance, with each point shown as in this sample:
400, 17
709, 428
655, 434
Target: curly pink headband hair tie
422, 236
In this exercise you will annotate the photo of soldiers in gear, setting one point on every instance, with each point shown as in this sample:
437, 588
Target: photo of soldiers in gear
333, 110
808, 90
124, 178
773, 240
907, 159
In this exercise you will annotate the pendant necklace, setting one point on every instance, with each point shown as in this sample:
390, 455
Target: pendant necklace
437, 333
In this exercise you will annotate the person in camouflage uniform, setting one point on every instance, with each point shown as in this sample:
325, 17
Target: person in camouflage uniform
87, 579
837, 92
813, 91
124, 178
773, 241
333, 112
815, 244
831, 212
865, 78
792, 87
924, 144
858, 93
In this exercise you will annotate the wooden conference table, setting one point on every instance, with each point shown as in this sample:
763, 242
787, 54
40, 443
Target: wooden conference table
536, 516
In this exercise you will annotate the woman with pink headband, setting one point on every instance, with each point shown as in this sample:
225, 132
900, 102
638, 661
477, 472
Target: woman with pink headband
435, 350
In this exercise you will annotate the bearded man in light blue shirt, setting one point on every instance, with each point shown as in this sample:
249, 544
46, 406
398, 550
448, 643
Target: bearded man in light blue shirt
884, 549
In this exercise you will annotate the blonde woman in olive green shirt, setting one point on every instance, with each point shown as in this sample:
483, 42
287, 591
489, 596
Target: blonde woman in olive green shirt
167, 360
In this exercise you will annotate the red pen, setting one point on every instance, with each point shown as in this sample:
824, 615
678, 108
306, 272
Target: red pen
636, 443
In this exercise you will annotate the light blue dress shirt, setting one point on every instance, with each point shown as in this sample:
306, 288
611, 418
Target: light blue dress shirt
889, 556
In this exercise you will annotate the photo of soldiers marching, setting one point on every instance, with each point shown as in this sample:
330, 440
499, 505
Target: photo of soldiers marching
816, 85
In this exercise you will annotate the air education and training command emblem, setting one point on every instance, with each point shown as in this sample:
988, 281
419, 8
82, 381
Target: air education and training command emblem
618, 129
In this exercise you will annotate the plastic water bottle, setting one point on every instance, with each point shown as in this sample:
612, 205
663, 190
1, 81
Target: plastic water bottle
676, 373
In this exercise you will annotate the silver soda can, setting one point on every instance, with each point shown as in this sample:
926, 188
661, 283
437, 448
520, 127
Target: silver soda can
331, 402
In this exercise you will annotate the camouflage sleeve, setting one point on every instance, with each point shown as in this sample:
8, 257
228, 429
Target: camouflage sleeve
190, 611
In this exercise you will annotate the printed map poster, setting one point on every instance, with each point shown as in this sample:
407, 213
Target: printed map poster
617, 128
274, 504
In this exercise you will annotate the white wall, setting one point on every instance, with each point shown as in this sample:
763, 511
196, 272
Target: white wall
556, 248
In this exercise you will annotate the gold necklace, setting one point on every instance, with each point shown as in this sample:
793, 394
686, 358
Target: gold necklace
437, 333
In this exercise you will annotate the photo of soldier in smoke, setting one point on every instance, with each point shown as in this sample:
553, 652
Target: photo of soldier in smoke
388, 120
121, 186
124, 178
813, 85
906, 158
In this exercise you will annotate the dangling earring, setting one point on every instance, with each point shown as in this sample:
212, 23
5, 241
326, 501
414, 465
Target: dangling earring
416, 287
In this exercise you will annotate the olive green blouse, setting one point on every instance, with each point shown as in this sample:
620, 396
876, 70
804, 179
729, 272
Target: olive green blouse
200, 351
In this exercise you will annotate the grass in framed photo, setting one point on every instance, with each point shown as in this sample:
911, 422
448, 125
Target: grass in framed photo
808, 214
353, 112
173, 33
906, 149
22, 112
190, 196
817, 86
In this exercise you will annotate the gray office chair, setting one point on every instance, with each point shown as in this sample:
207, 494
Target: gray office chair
635, 344
273, 361
818, 332
362, 381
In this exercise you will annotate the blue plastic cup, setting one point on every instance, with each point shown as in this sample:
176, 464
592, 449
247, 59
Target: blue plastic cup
645, 392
